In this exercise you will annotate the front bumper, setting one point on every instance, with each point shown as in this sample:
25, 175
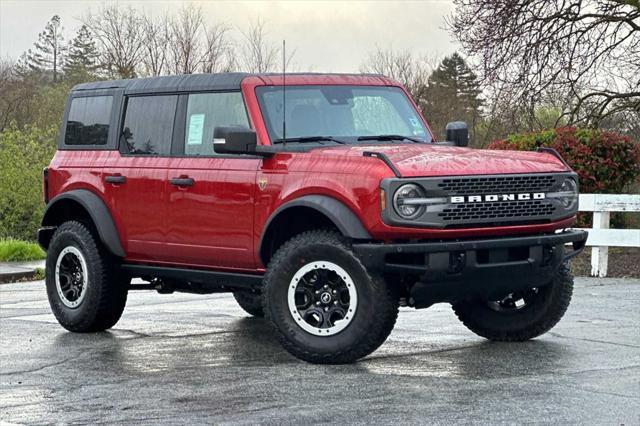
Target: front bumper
487, 269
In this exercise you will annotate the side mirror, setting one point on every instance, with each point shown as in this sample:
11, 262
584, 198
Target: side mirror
234, 140
458, 133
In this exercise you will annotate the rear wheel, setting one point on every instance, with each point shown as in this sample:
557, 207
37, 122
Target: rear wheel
519, 316
251, 303
85, 289
324, 305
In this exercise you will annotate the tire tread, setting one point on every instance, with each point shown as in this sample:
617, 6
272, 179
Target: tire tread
560, 300
381, 326
112, 287
251, 303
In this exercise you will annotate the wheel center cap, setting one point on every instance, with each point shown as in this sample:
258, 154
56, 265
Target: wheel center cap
325, 297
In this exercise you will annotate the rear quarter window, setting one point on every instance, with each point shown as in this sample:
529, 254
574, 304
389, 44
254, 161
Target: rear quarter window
88, 121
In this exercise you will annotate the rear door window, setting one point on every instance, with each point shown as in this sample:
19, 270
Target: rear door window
88, 121
148, 125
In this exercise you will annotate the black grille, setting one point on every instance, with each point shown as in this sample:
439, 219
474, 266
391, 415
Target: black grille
498, 210
497, 184
484, 200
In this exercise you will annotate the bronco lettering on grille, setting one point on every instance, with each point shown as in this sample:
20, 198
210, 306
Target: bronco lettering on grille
498, 197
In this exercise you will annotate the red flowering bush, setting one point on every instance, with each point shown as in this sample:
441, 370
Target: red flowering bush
606, 162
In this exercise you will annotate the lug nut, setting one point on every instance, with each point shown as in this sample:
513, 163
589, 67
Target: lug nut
335, 302
326, 286
326, 309
317, 303
335, 292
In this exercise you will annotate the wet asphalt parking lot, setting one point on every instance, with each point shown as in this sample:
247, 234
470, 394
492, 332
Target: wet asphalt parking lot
200, 359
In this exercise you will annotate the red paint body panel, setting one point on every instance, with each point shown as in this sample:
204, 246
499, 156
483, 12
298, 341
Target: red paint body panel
211, 223
217, 222
413, 160
139, 206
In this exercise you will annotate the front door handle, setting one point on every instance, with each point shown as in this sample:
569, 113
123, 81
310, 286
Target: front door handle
181, 181
115, 179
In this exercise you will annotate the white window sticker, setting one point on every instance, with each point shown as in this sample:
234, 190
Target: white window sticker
196, 126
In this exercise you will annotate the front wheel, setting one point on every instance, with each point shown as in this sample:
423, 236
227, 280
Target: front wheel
324, 305
519, 316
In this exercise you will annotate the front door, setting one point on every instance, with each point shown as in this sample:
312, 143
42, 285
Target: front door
210, 197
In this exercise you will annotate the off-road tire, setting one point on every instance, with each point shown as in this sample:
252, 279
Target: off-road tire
372, 322
106, 292
533, 320
251, 303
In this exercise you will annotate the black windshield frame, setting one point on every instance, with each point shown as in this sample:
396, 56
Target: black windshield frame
274, 135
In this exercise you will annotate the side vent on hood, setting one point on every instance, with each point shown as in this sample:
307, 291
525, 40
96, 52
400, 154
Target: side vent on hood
382, 156
555, 154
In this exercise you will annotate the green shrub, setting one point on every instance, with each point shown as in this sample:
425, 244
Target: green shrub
606, 162
23, 155
38, 274
17, 251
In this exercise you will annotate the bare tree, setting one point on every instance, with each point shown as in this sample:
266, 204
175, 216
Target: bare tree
587, 51
120, 39
410, 70
257, 53
187, 44
157, 37
218, 52
17, 92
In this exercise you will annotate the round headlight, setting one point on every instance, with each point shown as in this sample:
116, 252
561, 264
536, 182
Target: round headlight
568, 194
402, 201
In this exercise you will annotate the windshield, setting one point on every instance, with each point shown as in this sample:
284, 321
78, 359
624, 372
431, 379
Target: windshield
345, 113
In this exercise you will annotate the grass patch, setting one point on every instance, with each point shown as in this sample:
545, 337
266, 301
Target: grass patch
19, 251
38, 274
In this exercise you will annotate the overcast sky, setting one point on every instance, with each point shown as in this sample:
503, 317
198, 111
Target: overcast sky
327, 35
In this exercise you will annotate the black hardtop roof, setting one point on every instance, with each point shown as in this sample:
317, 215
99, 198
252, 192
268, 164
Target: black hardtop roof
188, 82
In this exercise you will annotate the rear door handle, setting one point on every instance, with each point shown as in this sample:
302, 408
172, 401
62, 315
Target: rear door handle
115, 179
181, 181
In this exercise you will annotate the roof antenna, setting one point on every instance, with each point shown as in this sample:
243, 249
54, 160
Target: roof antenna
284, 92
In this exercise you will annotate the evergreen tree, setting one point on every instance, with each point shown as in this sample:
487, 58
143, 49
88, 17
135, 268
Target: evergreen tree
453, 94
48, 52
82, 58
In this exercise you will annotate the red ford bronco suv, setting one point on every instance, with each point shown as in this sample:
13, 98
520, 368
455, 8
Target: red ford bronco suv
323, 204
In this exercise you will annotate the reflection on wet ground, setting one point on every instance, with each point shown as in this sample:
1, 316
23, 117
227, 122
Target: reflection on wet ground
185, 358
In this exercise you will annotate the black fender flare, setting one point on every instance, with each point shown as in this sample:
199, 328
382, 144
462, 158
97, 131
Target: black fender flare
337, 212
97, 210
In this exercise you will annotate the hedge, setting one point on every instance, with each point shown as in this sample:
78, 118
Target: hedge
606, 162
23, 155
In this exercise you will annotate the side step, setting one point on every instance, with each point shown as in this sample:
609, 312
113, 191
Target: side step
195, 280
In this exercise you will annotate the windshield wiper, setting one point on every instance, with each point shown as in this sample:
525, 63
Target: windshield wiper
390, 138
304, 139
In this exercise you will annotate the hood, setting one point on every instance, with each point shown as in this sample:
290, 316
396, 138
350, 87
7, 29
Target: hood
441, 160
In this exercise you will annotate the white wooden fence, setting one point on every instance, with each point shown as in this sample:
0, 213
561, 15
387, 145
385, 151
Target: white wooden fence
600, 236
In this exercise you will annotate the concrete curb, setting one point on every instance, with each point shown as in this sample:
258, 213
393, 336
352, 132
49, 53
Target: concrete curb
14, 271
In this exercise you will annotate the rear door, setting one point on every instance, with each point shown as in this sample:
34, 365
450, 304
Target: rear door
210, 196
136, 175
